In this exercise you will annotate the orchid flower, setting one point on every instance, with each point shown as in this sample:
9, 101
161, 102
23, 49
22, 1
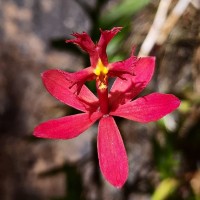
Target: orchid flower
119, 101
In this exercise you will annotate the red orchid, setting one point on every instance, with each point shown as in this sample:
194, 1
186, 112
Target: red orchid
112, 155
98, 59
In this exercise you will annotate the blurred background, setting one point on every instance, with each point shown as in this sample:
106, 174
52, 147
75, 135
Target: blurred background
164, 156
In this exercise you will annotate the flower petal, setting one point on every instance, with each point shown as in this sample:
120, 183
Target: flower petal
85, 42
106, 36
129, 86
148, 108
66, 127
123, 67
78, 78
98, 51
58, 85
113, 160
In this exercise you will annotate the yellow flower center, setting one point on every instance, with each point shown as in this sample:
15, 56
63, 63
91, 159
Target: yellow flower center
101, 72
100, 69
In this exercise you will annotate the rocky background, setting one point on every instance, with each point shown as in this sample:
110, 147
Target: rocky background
32, 35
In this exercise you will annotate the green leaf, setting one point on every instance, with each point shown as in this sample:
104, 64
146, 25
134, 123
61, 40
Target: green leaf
165, 189
125, 9
185, 106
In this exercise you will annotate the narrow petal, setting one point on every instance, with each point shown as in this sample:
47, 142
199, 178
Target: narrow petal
148, 108
123, 67
113, 160
66, 127
106, 36
129, 86
84, 41
80, 77
58, 85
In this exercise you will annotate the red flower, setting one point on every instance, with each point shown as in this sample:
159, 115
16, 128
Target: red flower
112, 156
98, 59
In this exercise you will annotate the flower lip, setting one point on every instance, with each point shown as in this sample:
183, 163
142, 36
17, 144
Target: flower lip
101, 72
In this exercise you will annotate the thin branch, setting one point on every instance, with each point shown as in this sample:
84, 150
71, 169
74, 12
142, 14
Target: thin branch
172, 19
155, 28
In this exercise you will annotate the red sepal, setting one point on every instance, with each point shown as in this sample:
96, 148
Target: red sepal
113, 160
148, 108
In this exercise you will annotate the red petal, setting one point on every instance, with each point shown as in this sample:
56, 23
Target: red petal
148, 108
60, 87
123, 67
105, 38
85, 42
113, 160
130, 86
66, 127
78, 78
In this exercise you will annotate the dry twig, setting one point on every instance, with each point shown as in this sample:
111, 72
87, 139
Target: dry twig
155, 28
162, 26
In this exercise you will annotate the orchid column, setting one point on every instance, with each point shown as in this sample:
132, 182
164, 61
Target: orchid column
102, 86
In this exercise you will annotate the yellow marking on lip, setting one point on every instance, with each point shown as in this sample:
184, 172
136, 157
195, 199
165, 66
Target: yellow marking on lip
100, 69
